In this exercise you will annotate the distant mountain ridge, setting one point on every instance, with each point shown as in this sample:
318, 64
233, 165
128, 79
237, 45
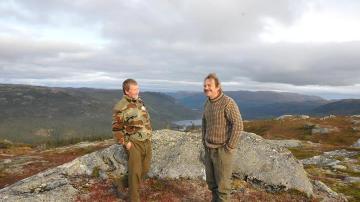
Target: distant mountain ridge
248, 98
341, 107
268, 104
38, 114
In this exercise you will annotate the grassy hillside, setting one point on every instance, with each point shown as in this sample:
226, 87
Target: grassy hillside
300, 129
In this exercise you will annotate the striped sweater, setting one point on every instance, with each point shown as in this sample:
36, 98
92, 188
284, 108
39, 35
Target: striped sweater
221, 123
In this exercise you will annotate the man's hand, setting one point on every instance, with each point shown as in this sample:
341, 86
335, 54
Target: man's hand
229, 149
128, 145
119, 137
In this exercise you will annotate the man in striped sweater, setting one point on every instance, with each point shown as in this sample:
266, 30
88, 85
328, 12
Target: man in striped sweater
221, 129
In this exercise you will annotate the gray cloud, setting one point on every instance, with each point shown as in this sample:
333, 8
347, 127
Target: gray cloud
333, 64
167, 45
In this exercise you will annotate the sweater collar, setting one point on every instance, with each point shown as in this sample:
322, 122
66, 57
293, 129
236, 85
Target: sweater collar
221, 94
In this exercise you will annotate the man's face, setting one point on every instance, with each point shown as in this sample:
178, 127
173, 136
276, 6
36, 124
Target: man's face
133, 91
210, 90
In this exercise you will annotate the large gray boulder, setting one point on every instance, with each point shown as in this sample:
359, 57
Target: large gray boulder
258, 160
271, 165
51, 185
175, 155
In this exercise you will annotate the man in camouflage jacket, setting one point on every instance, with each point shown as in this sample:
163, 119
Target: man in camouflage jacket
132, 128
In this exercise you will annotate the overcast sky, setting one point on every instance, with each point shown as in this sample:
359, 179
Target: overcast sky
309, 47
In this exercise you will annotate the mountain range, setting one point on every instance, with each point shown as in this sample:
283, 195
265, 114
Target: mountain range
269, 104
34, 114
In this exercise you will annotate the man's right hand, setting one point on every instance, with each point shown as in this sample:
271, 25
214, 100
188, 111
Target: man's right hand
119, 137
128, 145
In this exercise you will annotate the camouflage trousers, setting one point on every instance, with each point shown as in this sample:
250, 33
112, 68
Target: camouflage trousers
218, 167
139, 159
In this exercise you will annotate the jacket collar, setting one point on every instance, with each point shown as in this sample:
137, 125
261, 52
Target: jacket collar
129, 99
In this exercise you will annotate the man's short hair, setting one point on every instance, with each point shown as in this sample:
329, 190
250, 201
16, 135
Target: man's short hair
126, 84
216, 79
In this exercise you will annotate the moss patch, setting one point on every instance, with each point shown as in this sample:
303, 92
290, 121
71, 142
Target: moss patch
238, 184
303, 153
96, 172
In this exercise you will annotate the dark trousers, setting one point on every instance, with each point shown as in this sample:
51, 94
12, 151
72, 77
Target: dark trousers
218, 167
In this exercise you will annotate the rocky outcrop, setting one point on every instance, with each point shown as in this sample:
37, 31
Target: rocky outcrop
352, 179
51, 185
320, 129
356, 144
328, 117
303, 116
38, 160
175, 155
270, 165
317, 129
355, 129
355, 122
329, 158
327, 193
258, 160
287, 116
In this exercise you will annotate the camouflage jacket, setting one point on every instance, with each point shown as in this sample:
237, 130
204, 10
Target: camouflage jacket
131, 121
